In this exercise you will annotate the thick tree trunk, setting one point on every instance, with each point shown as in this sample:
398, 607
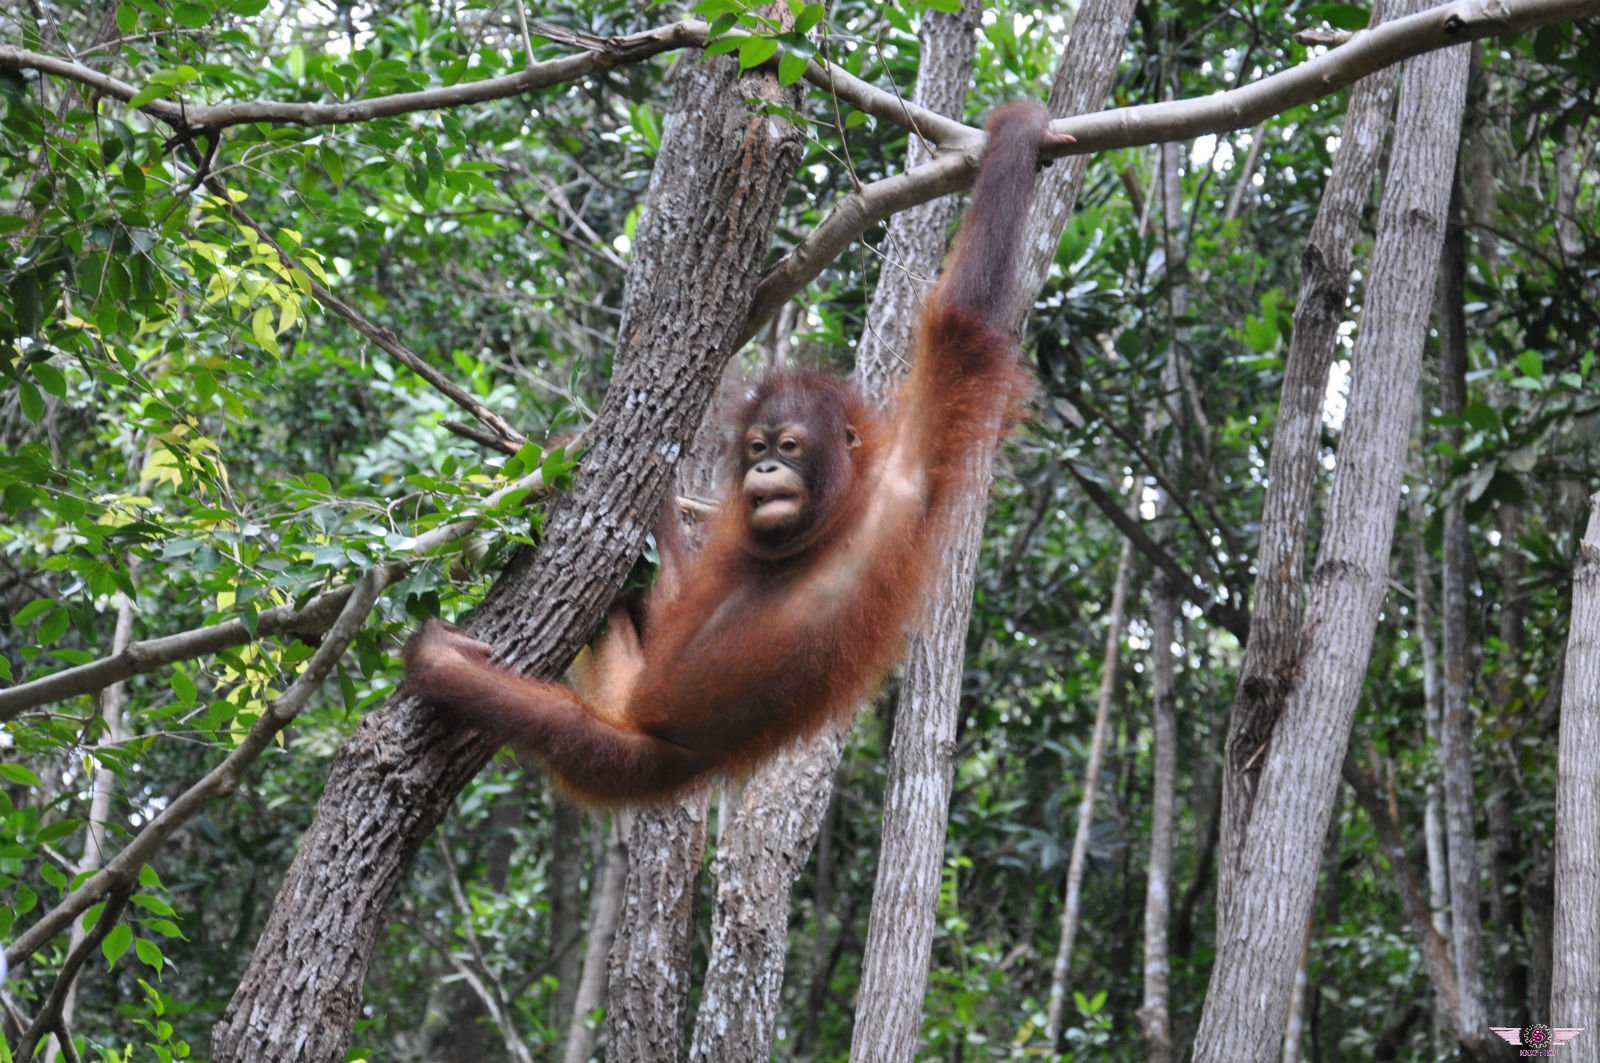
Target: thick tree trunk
697, 255
1291, 726
1575, 984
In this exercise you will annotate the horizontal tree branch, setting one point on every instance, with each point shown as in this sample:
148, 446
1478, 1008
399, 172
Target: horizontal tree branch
599, 54
312, 618
121, 872
1156, 123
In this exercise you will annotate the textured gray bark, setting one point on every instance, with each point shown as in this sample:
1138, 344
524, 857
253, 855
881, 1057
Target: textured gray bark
699, 248
1575, 984
1284, 768
917, 794
648, 995
761, 853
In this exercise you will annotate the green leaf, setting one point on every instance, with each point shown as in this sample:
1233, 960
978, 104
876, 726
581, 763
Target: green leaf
809, 16
149, 954
50, 378
117, 943
32, 401
792, 68
152, 904
755, 51
149, 879
149, 94
18, 774
1531, 364
53, 627
183, 687
127, 18
34, 608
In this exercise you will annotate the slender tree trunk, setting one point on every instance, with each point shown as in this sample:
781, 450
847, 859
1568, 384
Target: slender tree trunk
718, 183
761, 854
102, 786
605, 912
1153, 1011
1455, 731
647, 995
1575, 984
566, 914
1062, 968
1291, 727
916, 801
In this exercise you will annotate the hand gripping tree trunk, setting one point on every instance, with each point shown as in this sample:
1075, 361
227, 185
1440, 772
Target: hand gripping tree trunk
1290, 727
698, 254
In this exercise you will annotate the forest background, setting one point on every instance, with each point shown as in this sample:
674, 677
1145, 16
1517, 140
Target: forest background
1255, 721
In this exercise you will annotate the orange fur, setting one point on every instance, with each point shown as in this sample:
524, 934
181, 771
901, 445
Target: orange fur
742, 650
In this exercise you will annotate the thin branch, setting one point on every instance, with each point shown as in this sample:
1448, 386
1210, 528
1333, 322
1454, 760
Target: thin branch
50, 1017
1236, 621
1156, 123
378, 334
601, 54
309, 619
122, 871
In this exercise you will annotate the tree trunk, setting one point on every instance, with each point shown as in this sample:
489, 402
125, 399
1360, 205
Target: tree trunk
1062, 968
763, 851
714, 197
1291, 725
589, 983
1575, 984
648, 994
1153, 1011
917, 796
1455, 622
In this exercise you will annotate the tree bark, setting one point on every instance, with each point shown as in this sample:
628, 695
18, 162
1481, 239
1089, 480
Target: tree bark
1575, 984
1291, 725
763, 851
698, 251
648, 994
917, 796
1455, 622
589, 984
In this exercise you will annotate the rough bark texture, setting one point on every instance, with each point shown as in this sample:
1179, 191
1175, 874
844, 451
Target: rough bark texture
1284, 768
1575, 984
648, 996
761, 853
712, 207
917, 795
1273, 652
